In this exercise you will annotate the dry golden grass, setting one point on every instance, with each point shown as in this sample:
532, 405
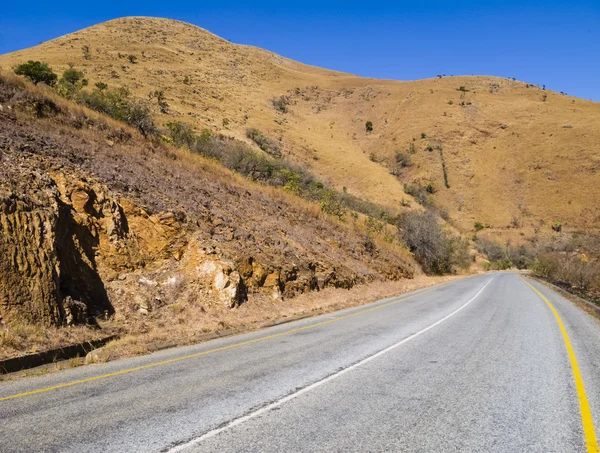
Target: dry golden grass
21, 338
513, 151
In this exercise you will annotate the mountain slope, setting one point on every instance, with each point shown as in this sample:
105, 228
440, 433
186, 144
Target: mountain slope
517, 157
99, 225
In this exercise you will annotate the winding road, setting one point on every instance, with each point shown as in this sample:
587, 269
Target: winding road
492, 363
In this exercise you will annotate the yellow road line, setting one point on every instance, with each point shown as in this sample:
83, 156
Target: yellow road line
211, 351
586, 413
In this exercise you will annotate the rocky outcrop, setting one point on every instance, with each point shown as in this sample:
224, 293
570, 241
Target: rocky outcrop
29, 270
48, 271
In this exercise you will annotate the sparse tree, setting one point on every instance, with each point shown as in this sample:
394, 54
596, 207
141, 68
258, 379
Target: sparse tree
72, 76
37, 72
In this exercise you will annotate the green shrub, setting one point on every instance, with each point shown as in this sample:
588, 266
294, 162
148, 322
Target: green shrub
574, 271
423, 194
265, 143
72, 76
331, 204
181, 134
37, 72
118, 105
479, 226
369, 126
557, 226
373, 225
70, 83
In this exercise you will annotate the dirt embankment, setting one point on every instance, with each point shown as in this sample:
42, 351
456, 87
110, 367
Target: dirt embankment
98, 226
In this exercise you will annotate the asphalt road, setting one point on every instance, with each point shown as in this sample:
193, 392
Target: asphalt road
480, 364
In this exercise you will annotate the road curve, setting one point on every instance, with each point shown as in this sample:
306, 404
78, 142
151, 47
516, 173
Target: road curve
490, 363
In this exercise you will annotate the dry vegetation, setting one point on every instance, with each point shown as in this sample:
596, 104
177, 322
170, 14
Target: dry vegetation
480, 141
173, 202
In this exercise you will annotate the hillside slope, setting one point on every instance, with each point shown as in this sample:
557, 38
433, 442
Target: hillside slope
98, 224
517, 157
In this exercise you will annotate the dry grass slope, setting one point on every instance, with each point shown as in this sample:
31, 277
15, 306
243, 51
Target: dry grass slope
517, 157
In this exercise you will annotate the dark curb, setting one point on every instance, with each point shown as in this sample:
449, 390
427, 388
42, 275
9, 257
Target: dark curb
51, 356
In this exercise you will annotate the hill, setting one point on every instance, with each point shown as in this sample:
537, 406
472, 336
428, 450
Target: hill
507, 154
100, 225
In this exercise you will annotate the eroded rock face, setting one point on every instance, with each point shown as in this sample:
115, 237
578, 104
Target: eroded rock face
29, 268
48, 272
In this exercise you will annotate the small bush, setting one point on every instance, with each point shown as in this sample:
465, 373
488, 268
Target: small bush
87, 54
423, 135
70, 83
332, 204
160, 100
557, 226
118, 105
462, 88
403, 160
181, 134
72, 76
369, 126
37, 72
479, 226
400, 162
265, 143
492, 250
434, 249
423, 194
281, 103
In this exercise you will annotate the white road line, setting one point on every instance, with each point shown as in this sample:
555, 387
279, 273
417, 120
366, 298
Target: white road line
262, 410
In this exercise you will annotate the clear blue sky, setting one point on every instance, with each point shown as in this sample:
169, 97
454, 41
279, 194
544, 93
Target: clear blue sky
556, 43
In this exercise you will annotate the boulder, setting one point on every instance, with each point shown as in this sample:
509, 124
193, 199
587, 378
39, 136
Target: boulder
99, 355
